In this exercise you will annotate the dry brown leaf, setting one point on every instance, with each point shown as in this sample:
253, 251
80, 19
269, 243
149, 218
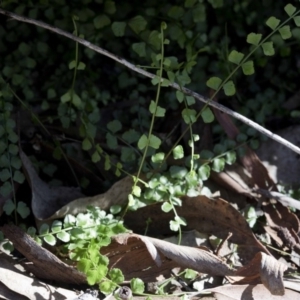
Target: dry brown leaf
268, 269
50, 203
212, 216
17, 285
250, 292
284, 224
250, 160
283, 199
116, 195
41, 262
149, 258
46, 200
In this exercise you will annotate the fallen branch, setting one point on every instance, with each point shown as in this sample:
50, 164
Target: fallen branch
176, 86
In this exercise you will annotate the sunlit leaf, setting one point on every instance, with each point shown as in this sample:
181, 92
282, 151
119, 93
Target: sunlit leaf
178, 152
137, 285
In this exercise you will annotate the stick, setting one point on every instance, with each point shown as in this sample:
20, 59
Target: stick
176, 86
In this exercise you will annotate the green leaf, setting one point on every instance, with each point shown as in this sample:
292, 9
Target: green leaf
130, 136
190, 274
13, 149
18, 177
107, 287
189, 3
143, 141
8, 246
6, 189
136, 191
204, 172
297, 21
101, 21
72, 64
110, 7
158, 157
9, 207
56, 226
155, 80
30, 63
96, 157
178, 172
285, 32
13, 137
214, 82
86, 144
137, 24
165, 82
118, 28
84, 265
179, 96
254, 38
116, 275
219, 149
81, 66
64, 236
107, 164
174, 226
139, 48
235, 57
76, 100
190, 100
115, 209
229, 88
230, 157
178, 152
241, 138
268, 48
50, 239
189, 115
154, 141
218, 164
290, 9
111, 141
273, 22
176, 12
44, 229
248, 67
166, 207
171, 76
137, 286
31, 231
199, 14
156, 110
180, 220
114, 126
24, 49
65, 97
207, 115
4, 174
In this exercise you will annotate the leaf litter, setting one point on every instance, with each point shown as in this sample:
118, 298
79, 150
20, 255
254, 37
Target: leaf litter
255, 272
